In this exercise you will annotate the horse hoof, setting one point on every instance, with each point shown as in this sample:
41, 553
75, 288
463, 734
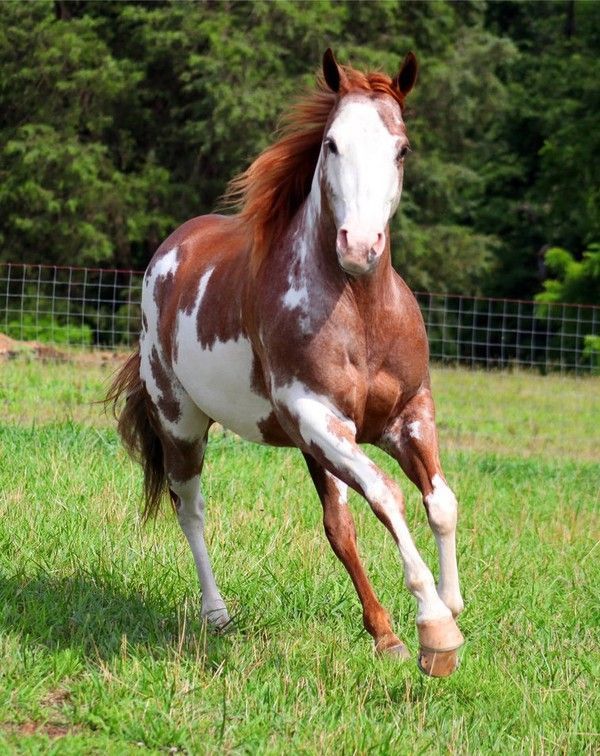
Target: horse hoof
392, 646
217, 619
440, 635
400, 652
437, 663
439, 642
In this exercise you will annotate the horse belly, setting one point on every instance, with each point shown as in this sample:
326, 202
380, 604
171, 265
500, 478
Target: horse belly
218, 379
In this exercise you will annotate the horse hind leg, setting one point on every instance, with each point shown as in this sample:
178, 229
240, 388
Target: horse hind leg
183, 463
182, 428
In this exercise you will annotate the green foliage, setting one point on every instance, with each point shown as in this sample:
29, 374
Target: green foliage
591, 350
541, 183
121, 120
46, 329
574, 281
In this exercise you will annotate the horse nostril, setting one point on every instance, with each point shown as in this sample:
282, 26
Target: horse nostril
342, 239
371, 255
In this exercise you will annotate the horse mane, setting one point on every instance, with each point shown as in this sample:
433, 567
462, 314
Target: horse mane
270, 191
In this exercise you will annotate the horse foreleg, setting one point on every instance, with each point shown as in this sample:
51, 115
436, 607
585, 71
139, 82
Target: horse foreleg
341, 534
412, 440
331, 439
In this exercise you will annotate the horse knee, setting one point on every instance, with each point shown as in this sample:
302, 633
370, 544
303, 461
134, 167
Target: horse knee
442, 508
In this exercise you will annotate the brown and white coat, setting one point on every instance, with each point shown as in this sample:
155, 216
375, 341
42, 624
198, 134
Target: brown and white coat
287, 324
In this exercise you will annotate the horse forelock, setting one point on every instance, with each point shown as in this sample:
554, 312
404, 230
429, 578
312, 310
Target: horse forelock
271, 190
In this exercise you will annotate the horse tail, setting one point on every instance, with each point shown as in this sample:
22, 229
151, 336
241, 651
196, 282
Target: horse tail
137, 424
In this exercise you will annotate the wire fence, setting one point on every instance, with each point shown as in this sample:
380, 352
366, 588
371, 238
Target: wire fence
100, 308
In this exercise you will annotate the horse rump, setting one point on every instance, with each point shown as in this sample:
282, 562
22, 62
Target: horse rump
137, 426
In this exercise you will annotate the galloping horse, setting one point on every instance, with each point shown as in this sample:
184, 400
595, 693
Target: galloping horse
287, 324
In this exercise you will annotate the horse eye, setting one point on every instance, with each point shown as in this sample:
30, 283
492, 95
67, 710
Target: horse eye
403, 153
331, 146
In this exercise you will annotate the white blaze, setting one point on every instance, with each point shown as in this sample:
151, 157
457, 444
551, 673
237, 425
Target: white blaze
364, 177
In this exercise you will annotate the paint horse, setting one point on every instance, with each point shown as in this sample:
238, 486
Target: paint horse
287, 324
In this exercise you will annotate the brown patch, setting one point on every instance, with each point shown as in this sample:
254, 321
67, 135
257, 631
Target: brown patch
48, 729
418, 457
211, 241
168, 403
183, 459
272, 433
220, 316
391, 116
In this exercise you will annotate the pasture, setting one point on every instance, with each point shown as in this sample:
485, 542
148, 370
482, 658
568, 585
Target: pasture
101, 649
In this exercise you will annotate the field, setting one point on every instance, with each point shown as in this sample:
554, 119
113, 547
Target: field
101, 649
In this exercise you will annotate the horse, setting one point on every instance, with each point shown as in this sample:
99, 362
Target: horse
286, 323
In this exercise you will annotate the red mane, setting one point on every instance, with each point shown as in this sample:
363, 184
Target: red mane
270, 191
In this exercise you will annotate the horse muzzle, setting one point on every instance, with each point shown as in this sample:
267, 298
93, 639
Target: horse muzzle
359, 255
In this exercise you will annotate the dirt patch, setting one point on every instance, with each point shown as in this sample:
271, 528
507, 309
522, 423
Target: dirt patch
56, 726
56, 698
13, 348
39, 728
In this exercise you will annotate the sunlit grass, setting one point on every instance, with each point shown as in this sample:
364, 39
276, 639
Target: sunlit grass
101, 649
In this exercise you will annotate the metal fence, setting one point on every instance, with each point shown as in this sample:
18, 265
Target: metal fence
99, 308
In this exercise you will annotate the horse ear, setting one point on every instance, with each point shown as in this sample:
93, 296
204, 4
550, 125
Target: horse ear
331, 71
405, 79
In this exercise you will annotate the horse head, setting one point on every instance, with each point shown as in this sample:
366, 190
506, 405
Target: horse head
362, 159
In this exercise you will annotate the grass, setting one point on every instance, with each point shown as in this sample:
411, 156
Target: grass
101, 650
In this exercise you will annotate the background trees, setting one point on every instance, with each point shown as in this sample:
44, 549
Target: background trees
120, 120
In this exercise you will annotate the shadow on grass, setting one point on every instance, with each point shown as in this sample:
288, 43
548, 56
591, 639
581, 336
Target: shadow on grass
82, 613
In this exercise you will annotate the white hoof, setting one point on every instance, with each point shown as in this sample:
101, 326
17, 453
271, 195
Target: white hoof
216, 615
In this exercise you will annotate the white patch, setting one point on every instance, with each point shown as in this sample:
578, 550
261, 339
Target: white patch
219, 379
364, 176
441, 506
297, 295
202, 284
414, 430
340, 487
314, 412
168, 263
294, 298
442, 511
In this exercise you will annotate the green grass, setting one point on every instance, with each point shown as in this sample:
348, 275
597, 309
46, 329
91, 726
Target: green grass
101, 650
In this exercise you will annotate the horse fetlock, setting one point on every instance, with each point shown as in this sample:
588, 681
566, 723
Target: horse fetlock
452, 598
